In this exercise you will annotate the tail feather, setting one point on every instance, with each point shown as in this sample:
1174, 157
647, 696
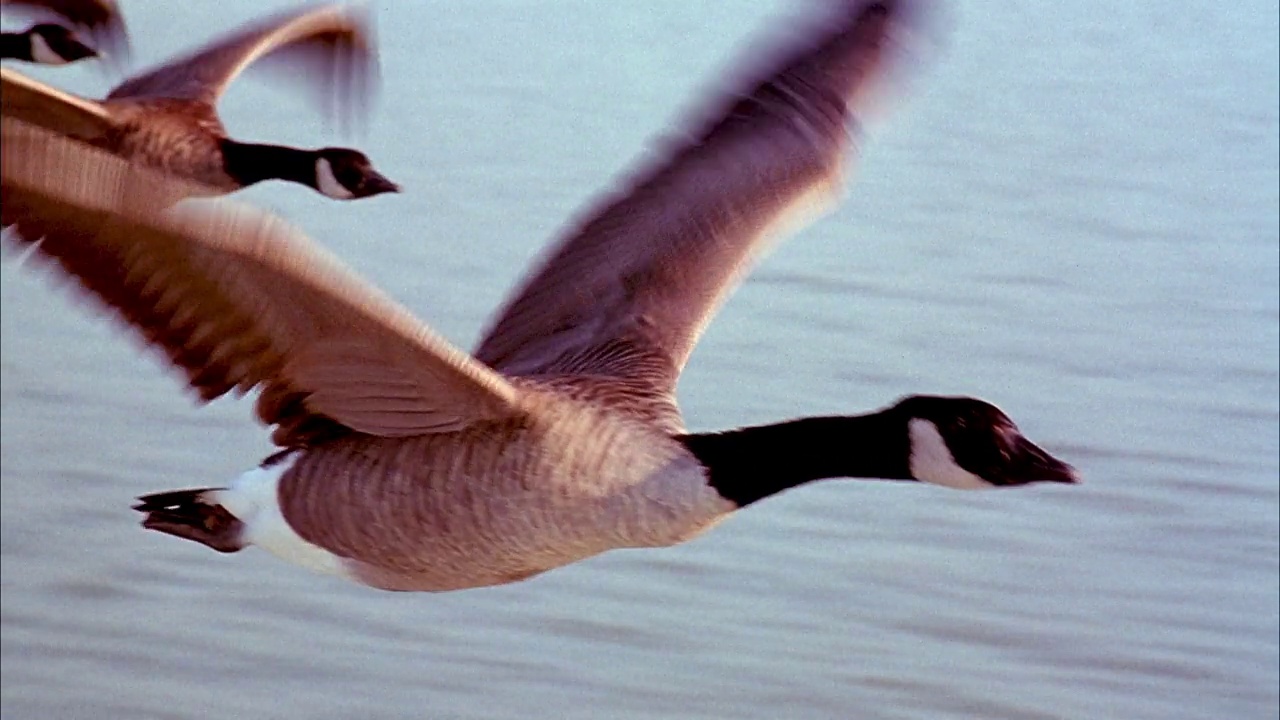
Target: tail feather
192, 515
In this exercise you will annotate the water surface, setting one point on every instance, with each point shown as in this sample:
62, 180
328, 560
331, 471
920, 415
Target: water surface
1073, 215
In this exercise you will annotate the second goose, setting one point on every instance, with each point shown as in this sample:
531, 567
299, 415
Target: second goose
46, 44
167, 118
51, 43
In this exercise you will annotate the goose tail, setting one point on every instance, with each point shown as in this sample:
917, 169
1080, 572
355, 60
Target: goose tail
193, 515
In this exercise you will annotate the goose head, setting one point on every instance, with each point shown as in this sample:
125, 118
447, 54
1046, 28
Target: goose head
345, 174
53, 44
966, 443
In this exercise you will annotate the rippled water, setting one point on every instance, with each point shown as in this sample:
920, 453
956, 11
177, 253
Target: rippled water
1074, 215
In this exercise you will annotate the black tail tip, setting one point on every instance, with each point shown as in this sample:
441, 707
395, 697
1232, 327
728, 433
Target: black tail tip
170, 500
188, 515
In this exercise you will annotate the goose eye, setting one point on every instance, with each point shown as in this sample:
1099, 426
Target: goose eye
348, 174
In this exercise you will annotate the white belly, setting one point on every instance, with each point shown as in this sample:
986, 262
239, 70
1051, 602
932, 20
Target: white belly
253, 499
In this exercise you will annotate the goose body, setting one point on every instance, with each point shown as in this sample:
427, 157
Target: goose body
167, 118
487, 505
407, 464
52, 43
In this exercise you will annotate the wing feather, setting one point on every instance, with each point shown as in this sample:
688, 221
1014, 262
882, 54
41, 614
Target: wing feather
333, 47
239, 300
629, 290
39, 104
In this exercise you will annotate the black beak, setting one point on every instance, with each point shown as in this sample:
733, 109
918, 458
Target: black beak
376, 184
1030, 464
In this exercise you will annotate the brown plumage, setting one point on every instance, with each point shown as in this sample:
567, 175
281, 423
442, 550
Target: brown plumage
167, 118
410, 465
651, 264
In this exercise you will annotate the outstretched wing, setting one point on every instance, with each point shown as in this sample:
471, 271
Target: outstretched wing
39, 104
629, 291
330, 48
239, 300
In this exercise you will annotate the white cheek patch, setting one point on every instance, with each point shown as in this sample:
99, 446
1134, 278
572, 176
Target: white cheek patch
932, 461
42, 53
253, 500
327, 184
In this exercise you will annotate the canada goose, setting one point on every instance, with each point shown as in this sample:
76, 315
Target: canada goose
46, 43
407, 464
50, 43
167, 118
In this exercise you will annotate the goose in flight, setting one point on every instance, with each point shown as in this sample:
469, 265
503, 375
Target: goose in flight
167, 118
52, 43
407, 464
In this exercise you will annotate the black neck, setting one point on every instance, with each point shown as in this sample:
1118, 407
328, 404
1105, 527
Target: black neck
249, 163
751, 463
15, 45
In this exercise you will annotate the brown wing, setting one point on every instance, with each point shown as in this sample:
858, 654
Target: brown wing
331, 49
100, 19
629, 291
238, 300
39, 104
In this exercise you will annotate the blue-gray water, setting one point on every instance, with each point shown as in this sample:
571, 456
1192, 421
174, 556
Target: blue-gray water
1073, 214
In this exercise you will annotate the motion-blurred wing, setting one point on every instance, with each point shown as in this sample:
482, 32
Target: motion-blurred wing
239, 300
629, 291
